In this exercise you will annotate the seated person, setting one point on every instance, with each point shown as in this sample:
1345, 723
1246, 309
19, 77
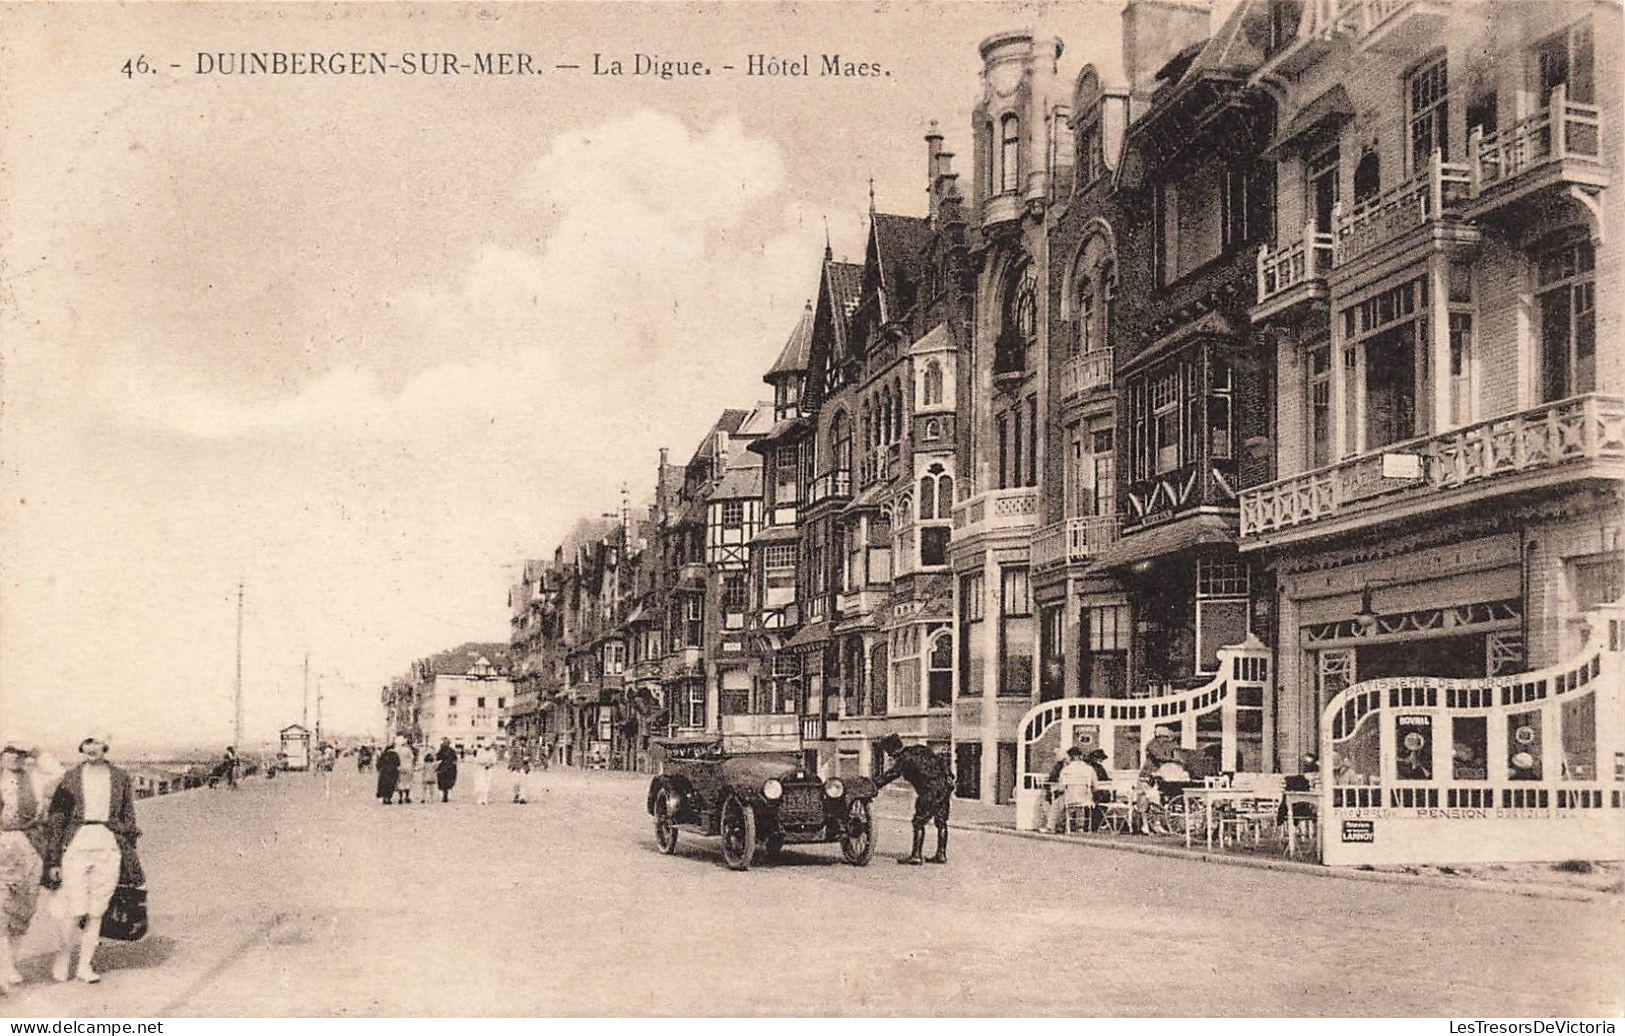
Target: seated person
1076, 785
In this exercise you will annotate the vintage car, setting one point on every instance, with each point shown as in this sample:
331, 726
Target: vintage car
757, 801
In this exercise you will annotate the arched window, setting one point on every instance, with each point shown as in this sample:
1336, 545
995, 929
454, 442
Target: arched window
988, 157
897, 410
1367, 177
1009, 154
1108, 304
933, 383
933, 429
928, 497
885, 415
1086, 316
945, 494
840, 443
1019, 326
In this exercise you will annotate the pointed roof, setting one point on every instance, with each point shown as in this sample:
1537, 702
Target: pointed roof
899, 242
794, 356
844, 282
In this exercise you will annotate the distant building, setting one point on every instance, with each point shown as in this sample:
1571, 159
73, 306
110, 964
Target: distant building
461, 695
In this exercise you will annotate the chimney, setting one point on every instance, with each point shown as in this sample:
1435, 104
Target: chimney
1153, 32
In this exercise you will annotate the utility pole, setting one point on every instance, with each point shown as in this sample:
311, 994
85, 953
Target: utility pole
318, 708
237, 695
304, 708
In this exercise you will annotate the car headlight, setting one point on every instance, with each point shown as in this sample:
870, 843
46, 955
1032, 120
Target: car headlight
673, 800
834, 788
772, 789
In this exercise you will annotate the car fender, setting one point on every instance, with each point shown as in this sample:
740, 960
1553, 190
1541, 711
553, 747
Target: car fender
657, 787
859, 788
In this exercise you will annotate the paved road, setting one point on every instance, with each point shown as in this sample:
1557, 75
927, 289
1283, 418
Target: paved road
276, 901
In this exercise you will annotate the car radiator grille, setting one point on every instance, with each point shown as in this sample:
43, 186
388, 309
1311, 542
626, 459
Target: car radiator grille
802, 807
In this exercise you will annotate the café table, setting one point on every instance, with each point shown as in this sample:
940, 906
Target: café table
1207, 797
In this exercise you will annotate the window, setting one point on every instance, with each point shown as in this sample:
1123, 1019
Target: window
1483, 113
779, 557
1032, 441
1104, 635
940, 669
502, 703
1367, 177
734, 595
733, 514
1165, 421
1461, 368
451, 702
1566, 294
971, 666
1009, 154
1284, 18
1233, 206
932, 430
614, 658
1323, 187
693, 620
879, 559
1318, 429
691, 704
1086, 317
1160, 214
1427, 90
1015, 632
1105, 474
479, 703
933, 384
1091, 159
1565, 59
1218, 410
934, 546
1108, 295
1051, 653
1389, 330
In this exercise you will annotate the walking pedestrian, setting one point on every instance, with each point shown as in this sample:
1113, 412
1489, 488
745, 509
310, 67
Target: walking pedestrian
228, 767
426, 777
89, 852
933, 792
409, 772
389, 771
445, 769
518, 769
485, 761
21, 836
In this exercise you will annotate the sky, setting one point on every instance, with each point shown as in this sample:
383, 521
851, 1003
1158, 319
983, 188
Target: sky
363, 343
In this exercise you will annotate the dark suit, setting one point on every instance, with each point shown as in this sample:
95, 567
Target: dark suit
66, 815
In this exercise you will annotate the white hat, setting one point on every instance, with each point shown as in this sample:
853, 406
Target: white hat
100, 739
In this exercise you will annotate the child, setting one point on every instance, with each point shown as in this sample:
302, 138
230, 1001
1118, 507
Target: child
426, 776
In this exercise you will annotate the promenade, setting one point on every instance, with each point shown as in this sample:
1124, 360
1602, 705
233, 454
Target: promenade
277, 901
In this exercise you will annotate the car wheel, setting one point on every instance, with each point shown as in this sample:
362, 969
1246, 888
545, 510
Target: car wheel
738, 834
858, 843
665, 825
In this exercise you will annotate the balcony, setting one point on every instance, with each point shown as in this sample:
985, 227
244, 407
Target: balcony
1396, 212
1577, 438
1293, 273
1073, 541
1000, 208
996, 511
1401, 28
1559, 146
831, 485
1085, 373
814, 728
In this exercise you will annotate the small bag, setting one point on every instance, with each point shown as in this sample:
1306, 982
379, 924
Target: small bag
126, 917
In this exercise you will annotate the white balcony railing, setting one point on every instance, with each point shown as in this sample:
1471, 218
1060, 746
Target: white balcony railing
1400, 209
1589, 427
997, 509
1073, 541
1296, 262
1564, 130
1086, 372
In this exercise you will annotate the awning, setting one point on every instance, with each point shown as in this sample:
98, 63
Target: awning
1169, 538
854, 625
809, 635
1328, 110
782, 430
868, 500
776, 534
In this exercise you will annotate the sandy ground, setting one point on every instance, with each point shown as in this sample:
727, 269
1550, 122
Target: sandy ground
278, 901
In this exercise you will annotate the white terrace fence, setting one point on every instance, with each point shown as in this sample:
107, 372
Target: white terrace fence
1523, 767
1224, 716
